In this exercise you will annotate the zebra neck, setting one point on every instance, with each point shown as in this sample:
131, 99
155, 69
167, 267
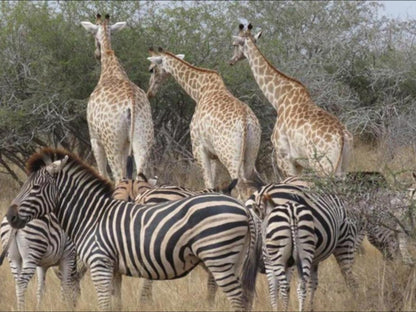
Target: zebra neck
83, 203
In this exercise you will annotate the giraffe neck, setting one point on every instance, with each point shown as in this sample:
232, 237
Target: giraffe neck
110, 66
278, 88
195, 81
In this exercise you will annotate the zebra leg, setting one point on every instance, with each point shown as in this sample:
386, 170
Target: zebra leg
146, 293
41, 274
273, 288
404, 252
16, 267
345, 259
116, 291
102, 277
211, 286
313, 284
212, 289
301, 293
69, 279
227, 280
27, 272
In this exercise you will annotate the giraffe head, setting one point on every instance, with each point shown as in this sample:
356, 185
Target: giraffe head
239, 43
102, 31
159, 71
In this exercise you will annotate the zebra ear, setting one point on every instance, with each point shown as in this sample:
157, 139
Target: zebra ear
56, 166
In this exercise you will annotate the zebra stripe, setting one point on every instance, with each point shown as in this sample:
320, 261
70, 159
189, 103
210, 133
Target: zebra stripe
162, 194
289, 237
334, 232
40, 245
164, 241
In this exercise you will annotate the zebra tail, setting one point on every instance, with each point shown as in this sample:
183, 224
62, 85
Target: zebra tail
296, 245
6, 248
251, 263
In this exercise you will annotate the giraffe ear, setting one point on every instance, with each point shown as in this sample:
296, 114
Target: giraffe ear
258, 35
181, 56
117, 26
237, 40
90, 27
155, 59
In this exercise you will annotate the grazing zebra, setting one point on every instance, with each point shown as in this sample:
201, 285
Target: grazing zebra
333, 233
375, 202
39, 245
161, 242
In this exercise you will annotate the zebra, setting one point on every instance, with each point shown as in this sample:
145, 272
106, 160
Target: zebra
127, 188
375, 202
334, 232
160, 242
38, 246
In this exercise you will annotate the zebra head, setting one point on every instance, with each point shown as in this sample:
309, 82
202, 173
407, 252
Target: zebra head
37, 196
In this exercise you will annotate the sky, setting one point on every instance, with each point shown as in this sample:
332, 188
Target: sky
400, 9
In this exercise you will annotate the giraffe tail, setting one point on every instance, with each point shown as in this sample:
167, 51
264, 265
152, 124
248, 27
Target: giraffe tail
343, 158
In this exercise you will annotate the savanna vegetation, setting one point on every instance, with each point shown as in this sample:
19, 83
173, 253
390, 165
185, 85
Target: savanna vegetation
356, 63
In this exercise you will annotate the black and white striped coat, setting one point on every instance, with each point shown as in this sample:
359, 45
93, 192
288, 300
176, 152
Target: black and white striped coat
146, 193
164, 241
38, 246
334, 232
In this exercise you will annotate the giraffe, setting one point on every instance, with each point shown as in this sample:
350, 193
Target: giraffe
118, 113
223, 129
305, 135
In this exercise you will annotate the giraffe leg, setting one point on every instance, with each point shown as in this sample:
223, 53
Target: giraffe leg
100, 157
142, 144
204, 160
117, 159
283, 154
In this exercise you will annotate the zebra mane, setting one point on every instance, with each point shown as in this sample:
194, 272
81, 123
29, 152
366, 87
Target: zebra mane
48, 155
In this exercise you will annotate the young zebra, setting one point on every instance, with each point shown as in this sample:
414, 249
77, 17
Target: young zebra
38, 246
164, 241
333, 233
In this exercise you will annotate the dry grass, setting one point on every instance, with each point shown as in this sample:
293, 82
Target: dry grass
384, 286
